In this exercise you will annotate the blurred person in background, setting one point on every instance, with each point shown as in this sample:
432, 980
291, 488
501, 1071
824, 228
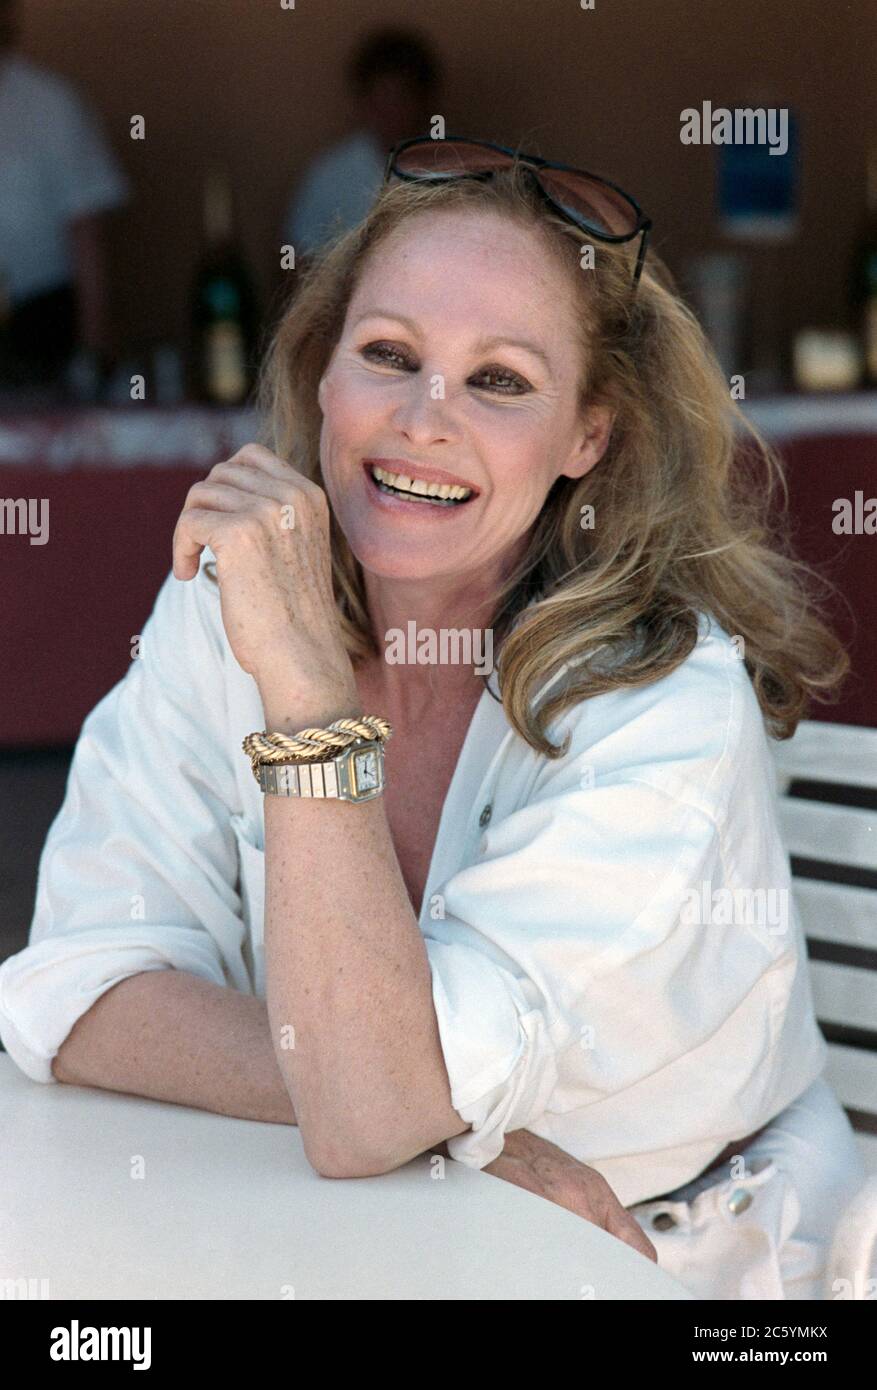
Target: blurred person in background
57, 177
393, 77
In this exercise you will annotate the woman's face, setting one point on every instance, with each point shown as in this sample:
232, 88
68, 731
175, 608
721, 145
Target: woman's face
458, 364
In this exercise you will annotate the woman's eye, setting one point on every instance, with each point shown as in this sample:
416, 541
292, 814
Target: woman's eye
509, 382
381, 352
517, 383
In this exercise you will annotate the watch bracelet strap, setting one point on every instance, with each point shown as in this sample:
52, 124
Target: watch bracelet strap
319, 779
323, 779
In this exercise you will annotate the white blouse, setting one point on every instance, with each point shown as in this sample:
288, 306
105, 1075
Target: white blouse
617, 963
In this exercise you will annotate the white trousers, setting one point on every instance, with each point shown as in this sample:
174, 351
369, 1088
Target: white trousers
765, 1233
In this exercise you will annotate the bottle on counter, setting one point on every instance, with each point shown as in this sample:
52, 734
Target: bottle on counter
864, 276
224, 311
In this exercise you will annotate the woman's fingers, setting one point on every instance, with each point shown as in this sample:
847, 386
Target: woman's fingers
221, 496
269, 528
542, 1167
248, 478
192, 533
588, 1192
622, 1225
257, 457
253, 493
618, 1221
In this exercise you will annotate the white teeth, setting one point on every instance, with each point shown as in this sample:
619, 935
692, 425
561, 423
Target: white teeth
443, 491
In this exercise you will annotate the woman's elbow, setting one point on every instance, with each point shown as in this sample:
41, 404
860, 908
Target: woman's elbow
340, 1157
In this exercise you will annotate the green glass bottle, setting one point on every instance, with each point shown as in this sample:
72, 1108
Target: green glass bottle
224, 312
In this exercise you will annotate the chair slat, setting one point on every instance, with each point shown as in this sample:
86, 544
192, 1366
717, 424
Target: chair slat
839, 834
825, 752
836, 912
852, 1072
867, 1146
844, 994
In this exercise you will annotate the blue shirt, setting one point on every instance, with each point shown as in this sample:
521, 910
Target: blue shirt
336, 192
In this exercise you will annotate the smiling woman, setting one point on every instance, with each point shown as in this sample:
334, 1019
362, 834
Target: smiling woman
446, 320
474, 427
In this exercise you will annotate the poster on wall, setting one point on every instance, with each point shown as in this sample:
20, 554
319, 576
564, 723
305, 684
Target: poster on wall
758, 177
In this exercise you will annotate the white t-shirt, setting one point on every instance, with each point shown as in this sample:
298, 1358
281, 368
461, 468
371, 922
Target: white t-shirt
336, 191
55, 166
587, 981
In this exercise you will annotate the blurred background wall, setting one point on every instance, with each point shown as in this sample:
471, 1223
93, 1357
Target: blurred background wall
264, 88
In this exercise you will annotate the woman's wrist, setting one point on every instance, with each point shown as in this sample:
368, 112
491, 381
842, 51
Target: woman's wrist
290, 706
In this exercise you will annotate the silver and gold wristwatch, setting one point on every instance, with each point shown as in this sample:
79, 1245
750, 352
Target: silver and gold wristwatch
355, 774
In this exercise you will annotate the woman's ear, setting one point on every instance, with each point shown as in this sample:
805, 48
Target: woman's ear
592, 442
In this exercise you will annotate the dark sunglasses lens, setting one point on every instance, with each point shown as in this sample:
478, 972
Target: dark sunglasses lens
603, 207
584, 197
439, 158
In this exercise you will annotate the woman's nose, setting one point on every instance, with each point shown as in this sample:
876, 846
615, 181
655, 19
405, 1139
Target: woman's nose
424, 413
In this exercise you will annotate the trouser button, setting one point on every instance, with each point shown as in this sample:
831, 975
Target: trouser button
739, 1201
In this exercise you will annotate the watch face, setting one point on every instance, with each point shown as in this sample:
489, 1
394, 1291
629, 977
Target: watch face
366, 770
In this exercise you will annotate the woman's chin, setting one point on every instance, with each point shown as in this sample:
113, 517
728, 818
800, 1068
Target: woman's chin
399, 562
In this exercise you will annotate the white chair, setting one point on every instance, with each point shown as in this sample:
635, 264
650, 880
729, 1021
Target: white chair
827, 785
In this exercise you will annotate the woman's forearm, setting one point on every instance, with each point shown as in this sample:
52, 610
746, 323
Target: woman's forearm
172, 1036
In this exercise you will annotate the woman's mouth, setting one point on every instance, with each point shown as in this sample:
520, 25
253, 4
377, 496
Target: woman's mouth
406, 490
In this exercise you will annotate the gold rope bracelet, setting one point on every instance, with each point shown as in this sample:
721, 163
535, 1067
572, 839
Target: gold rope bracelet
309, 744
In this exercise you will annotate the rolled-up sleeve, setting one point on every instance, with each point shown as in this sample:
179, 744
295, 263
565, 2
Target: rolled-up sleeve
139, 868
567, 978
497, 1047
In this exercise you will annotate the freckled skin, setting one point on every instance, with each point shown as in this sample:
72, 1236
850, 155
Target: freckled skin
508, 423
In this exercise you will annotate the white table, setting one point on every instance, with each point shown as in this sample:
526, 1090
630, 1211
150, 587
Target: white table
231, 1209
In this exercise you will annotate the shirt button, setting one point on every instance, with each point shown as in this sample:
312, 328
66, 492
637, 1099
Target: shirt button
663, 1221
739, 1201
485, 814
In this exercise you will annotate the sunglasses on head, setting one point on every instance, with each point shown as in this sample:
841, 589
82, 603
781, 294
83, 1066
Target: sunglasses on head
590, 202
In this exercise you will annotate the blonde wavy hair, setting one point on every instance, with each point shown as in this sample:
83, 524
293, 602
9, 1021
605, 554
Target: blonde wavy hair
682, 510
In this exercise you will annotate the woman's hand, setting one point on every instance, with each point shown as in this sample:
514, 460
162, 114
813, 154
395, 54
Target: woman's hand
268, 527
541, 1167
